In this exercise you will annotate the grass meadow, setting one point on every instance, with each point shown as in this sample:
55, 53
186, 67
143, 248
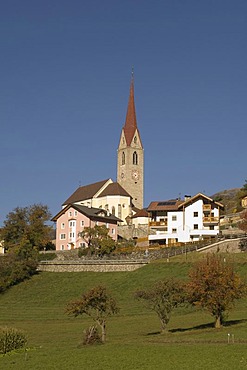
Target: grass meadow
134, 342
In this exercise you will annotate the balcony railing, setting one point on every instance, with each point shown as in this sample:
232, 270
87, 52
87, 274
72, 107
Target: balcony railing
157, 223
210, 220
207, 207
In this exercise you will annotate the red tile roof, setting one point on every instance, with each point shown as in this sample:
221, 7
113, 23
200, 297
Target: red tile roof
141, 213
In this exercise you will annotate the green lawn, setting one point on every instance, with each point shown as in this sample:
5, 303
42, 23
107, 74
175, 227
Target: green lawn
133, 339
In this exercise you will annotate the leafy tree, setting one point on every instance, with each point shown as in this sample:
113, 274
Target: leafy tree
243, 222
98, 304
215, 286
29, 224
163, 297
17, 265
98, 239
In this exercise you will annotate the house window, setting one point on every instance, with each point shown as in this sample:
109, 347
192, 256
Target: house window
113, 231
62, 247
174, 231
75, 213
174, 218
195, 214
82, 223
62, 236
71, 223
135, 158
123, 158
71, 235
113, 211
211, 227
82, 245
195, 226
70, 214
62, 225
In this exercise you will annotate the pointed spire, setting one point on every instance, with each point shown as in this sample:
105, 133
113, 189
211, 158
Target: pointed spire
130, 122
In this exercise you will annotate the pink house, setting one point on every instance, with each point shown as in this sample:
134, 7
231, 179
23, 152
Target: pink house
73, 218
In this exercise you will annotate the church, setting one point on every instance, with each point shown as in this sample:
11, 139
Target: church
107, 202
119, 205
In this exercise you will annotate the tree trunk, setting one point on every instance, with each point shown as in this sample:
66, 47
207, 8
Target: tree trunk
163, 326
217, 323
103, 331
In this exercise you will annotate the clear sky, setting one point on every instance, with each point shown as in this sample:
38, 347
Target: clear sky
65, 69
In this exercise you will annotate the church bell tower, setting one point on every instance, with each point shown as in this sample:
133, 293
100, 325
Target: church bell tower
130, 162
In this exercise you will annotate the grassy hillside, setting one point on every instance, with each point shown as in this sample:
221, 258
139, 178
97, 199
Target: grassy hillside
133, 339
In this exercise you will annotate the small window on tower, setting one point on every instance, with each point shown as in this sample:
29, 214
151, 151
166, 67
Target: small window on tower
123, 158
135, 158
135, 139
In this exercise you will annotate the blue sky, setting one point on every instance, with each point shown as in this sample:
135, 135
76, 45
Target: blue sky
65, 69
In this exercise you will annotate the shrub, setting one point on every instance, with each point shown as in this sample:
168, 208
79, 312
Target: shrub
11, 339
82, 252
243, 245
15, 269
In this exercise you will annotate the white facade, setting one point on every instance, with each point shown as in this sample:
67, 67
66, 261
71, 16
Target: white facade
119, 206
194, 220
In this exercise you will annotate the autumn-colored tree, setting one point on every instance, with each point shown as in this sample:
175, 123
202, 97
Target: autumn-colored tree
163, 297
98, 304
98, 239
27, 224
214, 286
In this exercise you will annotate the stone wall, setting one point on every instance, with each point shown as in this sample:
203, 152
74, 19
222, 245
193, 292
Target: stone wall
229, 245
95, 266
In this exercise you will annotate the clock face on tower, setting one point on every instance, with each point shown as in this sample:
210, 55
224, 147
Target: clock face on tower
135, 174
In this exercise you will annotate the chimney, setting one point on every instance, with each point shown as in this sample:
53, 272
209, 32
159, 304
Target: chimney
187, 197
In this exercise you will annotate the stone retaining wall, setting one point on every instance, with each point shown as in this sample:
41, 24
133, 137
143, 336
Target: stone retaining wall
229, 245
95, 266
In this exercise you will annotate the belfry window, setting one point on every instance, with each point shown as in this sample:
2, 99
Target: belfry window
123, 158
135, 158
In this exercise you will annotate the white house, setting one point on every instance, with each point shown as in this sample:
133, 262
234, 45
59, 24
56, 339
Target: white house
192, 219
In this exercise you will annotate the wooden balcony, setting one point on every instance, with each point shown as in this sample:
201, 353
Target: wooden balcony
157, 223
210, 220
207, 207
